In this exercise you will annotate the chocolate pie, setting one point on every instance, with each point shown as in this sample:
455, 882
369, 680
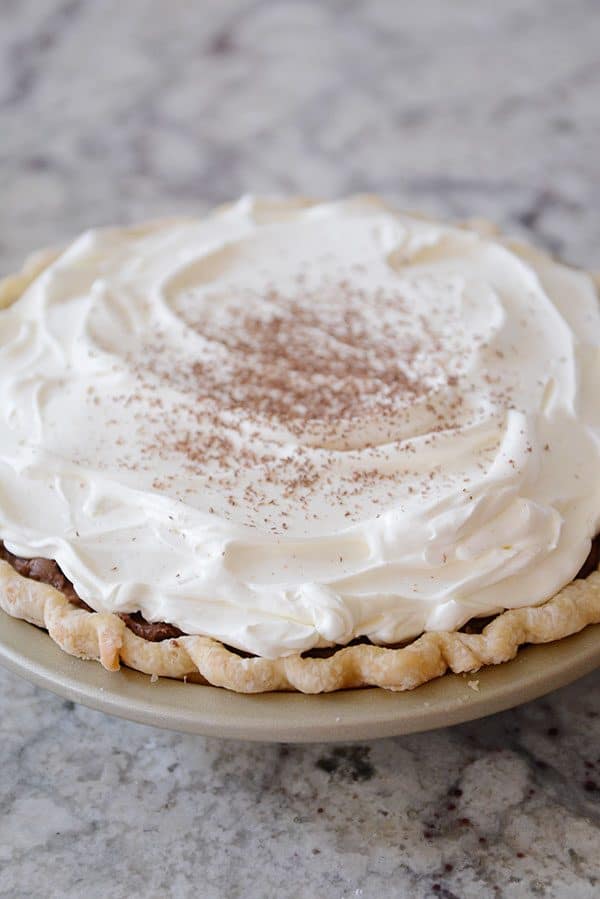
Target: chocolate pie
300, 446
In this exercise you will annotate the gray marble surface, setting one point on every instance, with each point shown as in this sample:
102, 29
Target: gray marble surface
114, 111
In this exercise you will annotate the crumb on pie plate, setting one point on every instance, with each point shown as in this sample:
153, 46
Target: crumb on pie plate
300, 446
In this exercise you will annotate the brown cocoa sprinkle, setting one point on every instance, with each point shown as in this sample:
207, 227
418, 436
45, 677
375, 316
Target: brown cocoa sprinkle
313, 368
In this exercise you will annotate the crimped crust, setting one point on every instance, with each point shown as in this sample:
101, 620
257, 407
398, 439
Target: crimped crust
103, 636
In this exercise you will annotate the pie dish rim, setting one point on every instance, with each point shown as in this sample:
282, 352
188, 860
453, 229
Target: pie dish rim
294, 717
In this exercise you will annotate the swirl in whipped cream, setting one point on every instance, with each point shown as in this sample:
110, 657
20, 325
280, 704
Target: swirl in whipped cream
291, 424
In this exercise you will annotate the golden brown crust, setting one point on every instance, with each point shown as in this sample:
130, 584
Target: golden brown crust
104, 637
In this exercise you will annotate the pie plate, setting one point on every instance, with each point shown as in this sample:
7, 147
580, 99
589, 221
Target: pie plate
292, 717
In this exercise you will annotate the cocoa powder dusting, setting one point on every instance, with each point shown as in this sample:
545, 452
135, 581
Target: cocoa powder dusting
326, 370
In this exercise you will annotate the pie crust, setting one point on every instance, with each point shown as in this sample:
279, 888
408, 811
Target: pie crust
104, 636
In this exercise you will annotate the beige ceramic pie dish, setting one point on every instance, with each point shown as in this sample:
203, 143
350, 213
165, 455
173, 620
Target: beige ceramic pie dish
571, 617
292, 717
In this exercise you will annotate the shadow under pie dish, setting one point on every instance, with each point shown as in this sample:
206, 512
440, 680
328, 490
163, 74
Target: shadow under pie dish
299, 445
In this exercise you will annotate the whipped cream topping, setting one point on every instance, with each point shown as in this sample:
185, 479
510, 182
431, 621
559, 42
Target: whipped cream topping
291, 424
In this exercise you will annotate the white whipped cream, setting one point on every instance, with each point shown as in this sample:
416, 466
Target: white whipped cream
291, 424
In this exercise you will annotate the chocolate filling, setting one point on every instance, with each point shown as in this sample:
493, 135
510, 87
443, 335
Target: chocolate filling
155, 631
593, 560
48, 572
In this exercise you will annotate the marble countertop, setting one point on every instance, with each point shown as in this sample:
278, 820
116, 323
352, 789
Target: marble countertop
119, 111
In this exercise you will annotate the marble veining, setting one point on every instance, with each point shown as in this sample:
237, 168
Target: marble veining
121, 111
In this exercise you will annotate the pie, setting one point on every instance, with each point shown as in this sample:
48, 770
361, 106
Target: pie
300, 445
